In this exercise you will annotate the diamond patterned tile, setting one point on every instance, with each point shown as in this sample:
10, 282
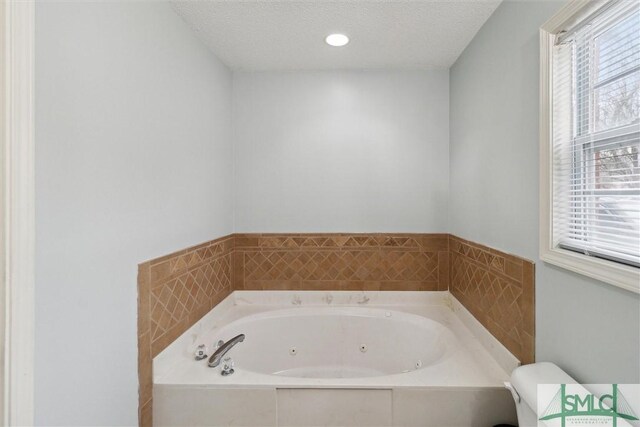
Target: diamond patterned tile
479, 281
337, 241
174, 300
341, 265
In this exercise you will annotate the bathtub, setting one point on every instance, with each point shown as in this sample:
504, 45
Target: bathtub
337, 358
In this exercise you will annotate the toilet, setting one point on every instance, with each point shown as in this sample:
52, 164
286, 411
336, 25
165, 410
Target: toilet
524, 388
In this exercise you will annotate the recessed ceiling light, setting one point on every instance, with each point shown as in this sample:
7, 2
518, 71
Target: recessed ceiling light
337, 40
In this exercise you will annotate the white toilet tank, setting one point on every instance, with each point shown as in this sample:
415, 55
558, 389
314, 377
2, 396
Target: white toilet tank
524, 388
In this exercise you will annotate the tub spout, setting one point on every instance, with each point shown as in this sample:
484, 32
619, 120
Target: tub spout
216, 357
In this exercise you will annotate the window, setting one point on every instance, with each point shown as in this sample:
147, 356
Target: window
590, 136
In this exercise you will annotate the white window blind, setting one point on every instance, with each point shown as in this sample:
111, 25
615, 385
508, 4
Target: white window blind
596, 135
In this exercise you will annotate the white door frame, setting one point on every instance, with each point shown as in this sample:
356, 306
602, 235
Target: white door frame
18, 210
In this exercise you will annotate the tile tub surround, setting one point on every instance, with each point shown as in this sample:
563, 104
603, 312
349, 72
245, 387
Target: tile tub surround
176, 290
498, 289
385, 262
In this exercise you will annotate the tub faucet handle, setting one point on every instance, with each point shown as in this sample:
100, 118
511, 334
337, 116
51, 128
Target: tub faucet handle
364, 300
201, 352
227, 367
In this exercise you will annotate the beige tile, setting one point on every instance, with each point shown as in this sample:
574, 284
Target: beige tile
499, 290
529, 348
144, 310
443, 271
359, 285
430, 286
528, 315
371, 286
320, 285
436, 243
145, 369
237, 273
278, 285
528, 280
407, 285
145, 415
513, 270
160, 271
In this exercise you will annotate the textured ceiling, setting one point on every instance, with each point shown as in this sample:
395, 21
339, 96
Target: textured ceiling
289, 34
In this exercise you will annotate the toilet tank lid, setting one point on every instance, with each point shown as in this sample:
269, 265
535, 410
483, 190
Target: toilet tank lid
525, 380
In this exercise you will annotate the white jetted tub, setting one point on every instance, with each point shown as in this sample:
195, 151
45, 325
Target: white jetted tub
336, 342
337, 358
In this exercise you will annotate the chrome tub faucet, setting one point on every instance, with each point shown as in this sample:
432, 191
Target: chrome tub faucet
216, 357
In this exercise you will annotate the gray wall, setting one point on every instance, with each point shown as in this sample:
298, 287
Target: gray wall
358, 151
133, 160
590, 329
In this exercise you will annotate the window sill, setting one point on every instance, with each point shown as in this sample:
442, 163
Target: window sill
620, 275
